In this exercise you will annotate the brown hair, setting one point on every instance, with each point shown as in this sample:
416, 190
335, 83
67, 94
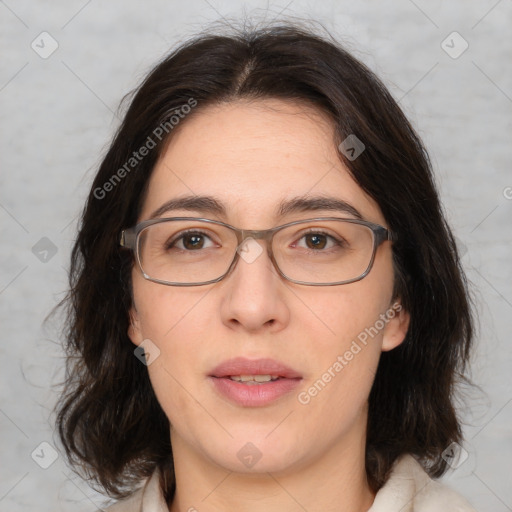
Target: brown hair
109, 420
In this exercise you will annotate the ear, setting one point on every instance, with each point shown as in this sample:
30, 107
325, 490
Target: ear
396, 327
134, 329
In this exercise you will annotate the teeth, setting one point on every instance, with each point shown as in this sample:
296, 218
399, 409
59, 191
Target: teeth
253, 378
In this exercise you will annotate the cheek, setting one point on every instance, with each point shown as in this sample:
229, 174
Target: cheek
163, 310
338, 316
170, 387
176, 322
342, 367
348, 340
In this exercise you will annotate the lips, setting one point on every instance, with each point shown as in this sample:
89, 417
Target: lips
242, 366
253, 383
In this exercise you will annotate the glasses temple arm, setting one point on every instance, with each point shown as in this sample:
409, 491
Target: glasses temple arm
128, 238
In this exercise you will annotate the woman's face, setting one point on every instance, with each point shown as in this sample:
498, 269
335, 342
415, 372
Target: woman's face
251, 157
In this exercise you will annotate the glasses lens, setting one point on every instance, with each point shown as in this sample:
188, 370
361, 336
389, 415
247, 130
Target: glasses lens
315, 252
188, 251
324, 251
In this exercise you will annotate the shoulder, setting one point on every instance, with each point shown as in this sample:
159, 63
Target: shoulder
148, 498
410, 489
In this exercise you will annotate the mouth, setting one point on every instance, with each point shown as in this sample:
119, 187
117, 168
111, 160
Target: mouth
254, 379
242, 369
253, 383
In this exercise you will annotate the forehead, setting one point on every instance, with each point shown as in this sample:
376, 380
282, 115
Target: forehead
253, 156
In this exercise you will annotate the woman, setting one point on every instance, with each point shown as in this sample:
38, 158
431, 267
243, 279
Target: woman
267, 309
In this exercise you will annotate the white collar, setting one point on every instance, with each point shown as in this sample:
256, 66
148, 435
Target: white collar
410, 489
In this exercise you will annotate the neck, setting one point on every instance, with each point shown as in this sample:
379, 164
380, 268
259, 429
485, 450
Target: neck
333, 481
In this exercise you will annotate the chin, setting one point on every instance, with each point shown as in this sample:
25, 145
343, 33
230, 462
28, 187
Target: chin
256, 452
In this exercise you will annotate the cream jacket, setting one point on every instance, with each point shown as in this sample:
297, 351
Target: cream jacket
408, 489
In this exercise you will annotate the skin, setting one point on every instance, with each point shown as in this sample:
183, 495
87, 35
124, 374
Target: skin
252, 155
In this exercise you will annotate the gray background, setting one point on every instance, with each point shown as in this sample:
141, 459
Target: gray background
58, 114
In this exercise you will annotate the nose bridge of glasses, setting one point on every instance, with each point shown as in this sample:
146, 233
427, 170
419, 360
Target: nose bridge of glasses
257, 234
246, 238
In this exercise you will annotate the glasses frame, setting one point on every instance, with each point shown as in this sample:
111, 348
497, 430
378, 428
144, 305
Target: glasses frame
130, 239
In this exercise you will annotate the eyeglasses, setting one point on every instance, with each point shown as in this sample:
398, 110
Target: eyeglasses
189, 251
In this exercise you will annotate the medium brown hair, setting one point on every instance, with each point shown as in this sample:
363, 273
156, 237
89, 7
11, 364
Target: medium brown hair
109, 420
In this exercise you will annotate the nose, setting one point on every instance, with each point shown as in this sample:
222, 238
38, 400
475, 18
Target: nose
253, 294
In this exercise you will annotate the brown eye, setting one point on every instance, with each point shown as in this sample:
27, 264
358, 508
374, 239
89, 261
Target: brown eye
316, 241
190, 241
193, 241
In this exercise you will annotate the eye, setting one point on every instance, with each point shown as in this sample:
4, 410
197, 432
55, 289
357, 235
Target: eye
317, 240
190, 241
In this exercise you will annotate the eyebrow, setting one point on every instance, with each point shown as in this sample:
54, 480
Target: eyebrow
312, 203
204, 204
211, 205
